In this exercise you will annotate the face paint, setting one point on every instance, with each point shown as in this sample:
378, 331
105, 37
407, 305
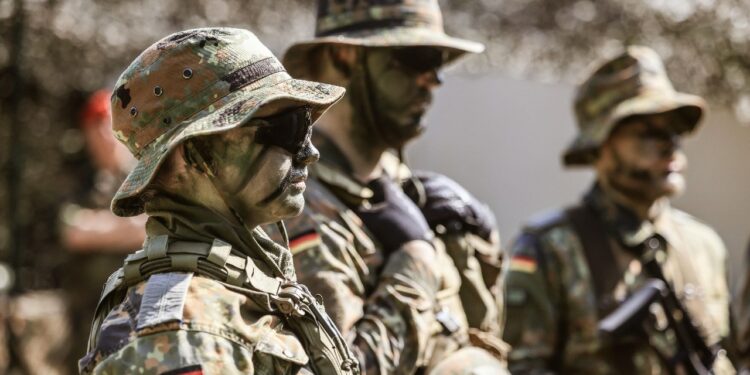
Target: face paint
397, 92
256, 170
646, 161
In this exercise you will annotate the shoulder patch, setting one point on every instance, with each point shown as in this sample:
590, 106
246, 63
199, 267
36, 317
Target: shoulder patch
163, 299
522, 263
304, 241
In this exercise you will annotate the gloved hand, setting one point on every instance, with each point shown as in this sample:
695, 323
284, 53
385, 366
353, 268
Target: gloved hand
392, 217
445, 202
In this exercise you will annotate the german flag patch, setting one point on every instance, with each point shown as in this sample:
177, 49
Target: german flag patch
304, 241
522, 263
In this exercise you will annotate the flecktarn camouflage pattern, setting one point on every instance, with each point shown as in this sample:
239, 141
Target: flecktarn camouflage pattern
633, 83
192, 83
552, 309
378, 23
398, 314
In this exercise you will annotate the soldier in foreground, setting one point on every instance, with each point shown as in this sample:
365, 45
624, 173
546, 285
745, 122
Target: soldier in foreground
364, 241
622, 282
222, 137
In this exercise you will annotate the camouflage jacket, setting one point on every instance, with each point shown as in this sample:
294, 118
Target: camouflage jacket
391, 320
551, 318
156, 317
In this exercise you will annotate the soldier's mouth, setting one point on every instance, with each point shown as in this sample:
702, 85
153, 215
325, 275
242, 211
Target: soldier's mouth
298, 178
294, 180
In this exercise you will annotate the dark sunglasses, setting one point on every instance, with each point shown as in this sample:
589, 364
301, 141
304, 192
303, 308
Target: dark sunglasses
289, 130
419, 59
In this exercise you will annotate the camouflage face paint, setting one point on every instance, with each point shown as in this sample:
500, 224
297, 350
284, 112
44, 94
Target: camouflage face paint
254, 166
399, 100
647, 162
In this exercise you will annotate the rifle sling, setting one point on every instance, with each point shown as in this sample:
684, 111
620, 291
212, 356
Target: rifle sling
599, 254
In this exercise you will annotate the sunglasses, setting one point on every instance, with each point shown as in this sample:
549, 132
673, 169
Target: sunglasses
290, 130
419, 59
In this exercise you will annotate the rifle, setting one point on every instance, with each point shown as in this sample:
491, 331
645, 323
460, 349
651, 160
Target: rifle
693, 355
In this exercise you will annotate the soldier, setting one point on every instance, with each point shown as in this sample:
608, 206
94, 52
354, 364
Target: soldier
571, 269
222, 137
361, 241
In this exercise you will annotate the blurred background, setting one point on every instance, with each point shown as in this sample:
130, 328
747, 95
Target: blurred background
498, 124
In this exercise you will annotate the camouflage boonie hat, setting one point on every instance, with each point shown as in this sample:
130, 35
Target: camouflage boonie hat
378, 23
634, 83
197, 82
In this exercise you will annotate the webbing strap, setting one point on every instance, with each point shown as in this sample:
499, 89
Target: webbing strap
156, 247
161, 256
604, 269
216, 261
219, 252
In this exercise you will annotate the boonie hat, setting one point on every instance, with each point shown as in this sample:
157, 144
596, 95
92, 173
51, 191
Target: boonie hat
378, 23
633, 83
197, 82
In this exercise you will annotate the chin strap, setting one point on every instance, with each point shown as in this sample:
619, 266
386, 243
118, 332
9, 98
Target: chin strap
360, 86
282, 230
421, 198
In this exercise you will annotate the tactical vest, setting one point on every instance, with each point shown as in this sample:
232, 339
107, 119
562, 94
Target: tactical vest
302, 313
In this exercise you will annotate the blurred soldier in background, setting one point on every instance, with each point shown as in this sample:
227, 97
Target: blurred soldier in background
366, 240
741, 309
96, 239
222, 137
570, 270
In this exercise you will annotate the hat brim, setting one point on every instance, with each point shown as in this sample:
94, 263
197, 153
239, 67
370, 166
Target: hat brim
296, 58
690, 108
230, 112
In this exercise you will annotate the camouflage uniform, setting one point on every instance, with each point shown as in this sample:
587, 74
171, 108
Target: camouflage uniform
205, 295
398, 315
553, 307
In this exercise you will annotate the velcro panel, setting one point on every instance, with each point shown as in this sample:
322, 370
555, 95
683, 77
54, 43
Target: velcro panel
164, 299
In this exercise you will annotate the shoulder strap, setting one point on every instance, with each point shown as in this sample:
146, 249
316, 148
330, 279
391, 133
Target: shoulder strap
599, 254
305, 315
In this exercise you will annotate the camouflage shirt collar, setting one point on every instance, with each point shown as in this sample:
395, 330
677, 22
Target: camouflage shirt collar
625, 224
334, 170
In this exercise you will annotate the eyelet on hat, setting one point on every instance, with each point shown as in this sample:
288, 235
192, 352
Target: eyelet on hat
167, 120
187, 73
158, 90
133, 111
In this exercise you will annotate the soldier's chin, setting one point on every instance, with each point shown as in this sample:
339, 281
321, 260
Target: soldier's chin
674, 184
291, 205
407, 133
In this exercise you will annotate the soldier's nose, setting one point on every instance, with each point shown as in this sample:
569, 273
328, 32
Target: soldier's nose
308, 155
430, 79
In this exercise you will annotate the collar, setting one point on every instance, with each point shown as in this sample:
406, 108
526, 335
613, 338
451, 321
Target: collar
625, 224
334, 170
